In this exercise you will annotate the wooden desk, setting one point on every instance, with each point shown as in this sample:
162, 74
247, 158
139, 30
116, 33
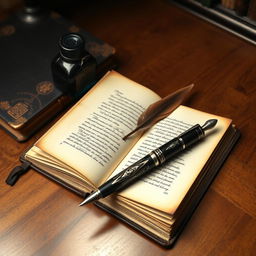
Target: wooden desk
164, 48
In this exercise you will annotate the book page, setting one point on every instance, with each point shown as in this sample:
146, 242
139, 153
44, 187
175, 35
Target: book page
166, 186
89, 136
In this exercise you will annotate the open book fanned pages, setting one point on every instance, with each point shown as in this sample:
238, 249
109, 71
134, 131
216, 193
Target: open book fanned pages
85, 148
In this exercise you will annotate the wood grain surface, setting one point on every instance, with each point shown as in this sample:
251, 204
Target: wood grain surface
164, 48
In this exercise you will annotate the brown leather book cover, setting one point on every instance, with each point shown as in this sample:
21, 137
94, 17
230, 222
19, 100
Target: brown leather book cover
28, 96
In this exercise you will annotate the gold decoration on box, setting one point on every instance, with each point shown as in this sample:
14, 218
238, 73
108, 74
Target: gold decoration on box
7, 30
18, 110
44, 87
18, 122
96, 49
74, 29
5, 105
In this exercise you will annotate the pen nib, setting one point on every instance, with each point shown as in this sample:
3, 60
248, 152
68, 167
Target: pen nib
92, 197
209, 124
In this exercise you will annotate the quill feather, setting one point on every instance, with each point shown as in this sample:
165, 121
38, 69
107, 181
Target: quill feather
160, 109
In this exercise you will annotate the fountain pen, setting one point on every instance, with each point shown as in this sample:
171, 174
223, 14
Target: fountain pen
155, 158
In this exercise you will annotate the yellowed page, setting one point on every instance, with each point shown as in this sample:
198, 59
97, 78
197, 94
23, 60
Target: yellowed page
89, 137
166, 186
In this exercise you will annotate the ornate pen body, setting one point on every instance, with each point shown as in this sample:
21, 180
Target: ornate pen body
155, 158
152, 160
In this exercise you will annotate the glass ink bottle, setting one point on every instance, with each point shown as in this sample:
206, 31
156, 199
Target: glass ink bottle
73, 69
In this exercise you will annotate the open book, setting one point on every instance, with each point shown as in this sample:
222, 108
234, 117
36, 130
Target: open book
85, 148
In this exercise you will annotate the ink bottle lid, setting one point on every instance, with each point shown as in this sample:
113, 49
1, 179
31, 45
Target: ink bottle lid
72, 47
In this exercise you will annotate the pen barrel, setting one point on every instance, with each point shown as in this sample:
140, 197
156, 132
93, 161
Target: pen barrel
127, 176
180, 143
192, 135
153, 159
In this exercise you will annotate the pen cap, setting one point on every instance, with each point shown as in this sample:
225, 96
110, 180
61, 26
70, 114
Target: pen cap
193, 135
